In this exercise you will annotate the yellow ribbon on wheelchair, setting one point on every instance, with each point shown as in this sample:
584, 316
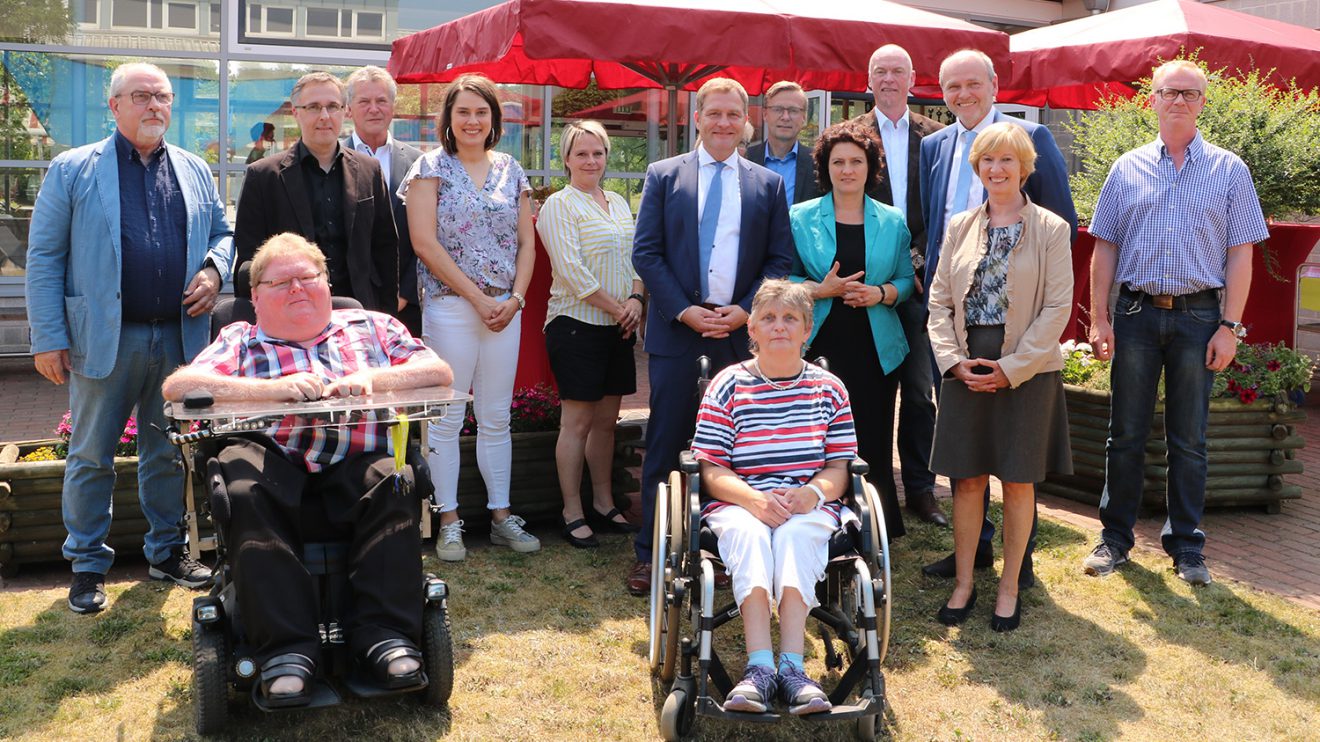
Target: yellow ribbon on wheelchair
400, 437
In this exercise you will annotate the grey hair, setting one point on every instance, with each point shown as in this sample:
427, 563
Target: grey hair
890, 48
795, 296
316, 78
965, 54
371, 73
120, 76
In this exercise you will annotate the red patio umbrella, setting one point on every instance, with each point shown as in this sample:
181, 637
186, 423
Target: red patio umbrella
677, 44
1078, 63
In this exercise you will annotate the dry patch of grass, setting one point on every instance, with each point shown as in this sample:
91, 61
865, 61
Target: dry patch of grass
549, 647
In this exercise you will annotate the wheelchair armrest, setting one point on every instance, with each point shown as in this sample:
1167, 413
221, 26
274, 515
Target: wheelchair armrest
862, 506
859, 466
688, 464
694, 513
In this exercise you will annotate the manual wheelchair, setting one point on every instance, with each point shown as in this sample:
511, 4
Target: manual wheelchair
855, 603
222, 658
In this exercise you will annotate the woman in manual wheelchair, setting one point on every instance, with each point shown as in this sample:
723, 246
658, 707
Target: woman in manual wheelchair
774, 437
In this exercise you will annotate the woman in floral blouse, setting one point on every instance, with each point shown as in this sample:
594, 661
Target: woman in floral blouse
470, 215
999, 301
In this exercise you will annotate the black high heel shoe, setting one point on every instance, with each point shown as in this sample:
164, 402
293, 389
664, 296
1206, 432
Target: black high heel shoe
606, 523
954, 616
586, 542
1007, 623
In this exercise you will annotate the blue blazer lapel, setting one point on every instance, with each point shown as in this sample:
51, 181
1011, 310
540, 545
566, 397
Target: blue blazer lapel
107, 183
689, 223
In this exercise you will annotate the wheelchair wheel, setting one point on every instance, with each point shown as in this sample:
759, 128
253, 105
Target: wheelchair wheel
676, 716
210, 681
438, 654
880, 569
659, 553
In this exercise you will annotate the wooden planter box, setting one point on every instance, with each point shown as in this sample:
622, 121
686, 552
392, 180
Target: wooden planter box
32, 527
1251, 448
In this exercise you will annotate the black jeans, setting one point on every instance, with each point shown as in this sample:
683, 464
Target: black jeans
916, 406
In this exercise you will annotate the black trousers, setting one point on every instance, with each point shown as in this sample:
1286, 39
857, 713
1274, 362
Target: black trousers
276, 598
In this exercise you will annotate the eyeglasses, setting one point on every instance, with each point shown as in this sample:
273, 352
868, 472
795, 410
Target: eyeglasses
1171, 94
316, 108
311, 279
781, 110
142, 97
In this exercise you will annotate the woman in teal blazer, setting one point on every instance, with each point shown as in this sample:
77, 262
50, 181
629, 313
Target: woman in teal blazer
852, 252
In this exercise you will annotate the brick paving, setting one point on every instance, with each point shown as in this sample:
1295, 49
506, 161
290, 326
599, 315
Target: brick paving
1276, 553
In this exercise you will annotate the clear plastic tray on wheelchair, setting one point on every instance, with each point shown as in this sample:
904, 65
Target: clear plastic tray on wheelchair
423, 403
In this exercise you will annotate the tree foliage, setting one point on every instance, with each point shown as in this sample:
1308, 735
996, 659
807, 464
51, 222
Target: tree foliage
35, 21
1274, 131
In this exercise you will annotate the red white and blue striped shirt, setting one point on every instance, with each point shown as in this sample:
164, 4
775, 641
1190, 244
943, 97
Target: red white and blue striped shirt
354, 340
771, 437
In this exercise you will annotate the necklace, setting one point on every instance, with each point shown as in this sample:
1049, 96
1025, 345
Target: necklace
781, 385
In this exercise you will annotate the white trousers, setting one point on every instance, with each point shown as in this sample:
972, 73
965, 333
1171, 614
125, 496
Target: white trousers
485, 362
792, 555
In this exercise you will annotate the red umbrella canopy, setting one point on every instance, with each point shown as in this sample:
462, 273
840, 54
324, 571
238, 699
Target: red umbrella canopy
654, 43
1075, 64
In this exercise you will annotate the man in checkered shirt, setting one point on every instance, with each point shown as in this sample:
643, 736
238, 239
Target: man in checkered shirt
1174, 227
300, 350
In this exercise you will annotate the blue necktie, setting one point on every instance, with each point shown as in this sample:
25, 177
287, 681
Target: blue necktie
710, 216
964, 185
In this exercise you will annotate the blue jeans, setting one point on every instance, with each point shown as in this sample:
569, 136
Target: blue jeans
101, 407
1148, 340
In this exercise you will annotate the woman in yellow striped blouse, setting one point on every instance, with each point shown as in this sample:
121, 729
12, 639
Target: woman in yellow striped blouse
591, 325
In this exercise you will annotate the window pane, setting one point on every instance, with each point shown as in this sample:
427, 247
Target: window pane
86, 11
215, 17
129, 13
279, 20
259, 96
182, 15
370, 25
636, 120
322, 22
52, 102
122, 24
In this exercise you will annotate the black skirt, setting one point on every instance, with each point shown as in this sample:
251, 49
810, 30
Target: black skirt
1015, 435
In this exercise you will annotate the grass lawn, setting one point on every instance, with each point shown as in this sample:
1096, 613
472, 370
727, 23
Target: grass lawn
548, 647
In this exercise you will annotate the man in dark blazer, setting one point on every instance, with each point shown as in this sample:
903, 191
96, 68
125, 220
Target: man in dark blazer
371, 94
785, 117
969, 83
890, 76
327, 193
703, 244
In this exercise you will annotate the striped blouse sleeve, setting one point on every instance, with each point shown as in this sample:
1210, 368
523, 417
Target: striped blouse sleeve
840, 435
713, 440
559, 230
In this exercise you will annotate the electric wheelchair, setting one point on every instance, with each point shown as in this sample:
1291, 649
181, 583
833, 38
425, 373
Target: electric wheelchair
855, 602
222, 659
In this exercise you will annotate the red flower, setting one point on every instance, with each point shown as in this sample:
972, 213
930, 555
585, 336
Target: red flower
1248, 396
1273, 365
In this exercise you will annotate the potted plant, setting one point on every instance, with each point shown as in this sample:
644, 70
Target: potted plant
1274, 132
1251, 437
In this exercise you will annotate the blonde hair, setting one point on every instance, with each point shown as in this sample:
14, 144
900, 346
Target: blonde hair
316, 78
1004, 136
283, 245
795, 296
568, 138
1173, 65
721, 85
784, 86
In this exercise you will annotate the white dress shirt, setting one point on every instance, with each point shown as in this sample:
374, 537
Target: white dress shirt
976, 193
723, 268
382, 153
894, 137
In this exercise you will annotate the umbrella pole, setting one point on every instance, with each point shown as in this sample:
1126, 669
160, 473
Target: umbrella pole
672, 135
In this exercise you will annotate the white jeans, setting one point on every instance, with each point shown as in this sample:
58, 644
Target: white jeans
792, 555
485, 362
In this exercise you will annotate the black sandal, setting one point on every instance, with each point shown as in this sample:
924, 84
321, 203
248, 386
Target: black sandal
377, 661
588, 541
285, 665
606, 521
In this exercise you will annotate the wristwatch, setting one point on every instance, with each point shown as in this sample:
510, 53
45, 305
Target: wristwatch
522, 303
1237, 328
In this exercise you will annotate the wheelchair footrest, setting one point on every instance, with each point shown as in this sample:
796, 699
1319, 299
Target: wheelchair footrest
323, 694
706, 706
363, 688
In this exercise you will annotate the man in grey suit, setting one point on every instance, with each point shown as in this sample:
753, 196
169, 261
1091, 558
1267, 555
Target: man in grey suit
371, 93
785, 117
890, 76
128, 248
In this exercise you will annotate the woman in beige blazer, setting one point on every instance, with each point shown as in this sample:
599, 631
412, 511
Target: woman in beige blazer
999, 301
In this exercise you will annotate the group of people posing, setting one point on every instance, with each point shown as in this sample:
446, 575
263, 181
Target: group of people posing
921, 261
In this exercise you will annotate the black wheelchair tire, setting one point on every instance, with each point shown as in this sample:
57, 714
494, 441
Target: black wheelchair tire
676, 716
438, 651
210, 681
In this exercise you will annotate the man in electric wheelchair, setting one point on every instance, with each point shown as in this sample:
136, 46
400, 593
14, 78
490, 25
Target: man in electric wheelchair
774, 437
301, 350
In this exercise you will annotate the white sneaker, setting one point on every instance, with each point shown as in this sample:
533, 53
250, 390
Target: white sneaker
509, 532
449, 544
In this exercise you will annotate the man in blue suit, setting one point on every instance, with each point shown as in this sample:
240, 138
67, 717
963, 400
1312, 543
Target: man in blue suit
127, 251
710, 227
949, 187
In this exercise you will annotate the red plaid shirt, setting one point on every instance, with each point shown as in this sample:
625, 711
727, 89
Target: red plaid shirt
355, 339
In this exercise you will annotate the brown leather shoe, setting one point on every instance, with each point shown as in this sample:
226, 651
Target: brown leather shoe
638, 581
923, 505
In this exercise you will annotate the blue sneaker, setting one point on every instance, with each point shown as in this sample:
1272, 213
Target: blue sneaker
754, 692
801, 694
